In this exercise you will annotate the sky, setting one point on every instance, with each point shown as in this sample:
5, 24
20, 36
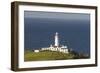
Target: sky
55, 15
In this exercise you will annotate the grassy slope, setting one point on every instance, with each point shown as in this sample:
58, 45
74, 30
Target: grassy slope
46, 55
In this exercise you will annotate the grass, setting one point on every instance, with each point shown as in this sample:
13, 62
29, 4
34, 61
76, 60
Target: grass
46, 55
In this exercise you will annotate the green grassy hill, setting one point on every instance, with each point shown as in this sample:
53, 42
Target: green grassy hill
48, 55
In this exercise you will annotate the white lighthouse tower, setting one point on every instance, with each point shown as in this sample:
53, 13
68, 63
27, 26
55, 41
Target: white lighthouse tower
56, 46
56, 40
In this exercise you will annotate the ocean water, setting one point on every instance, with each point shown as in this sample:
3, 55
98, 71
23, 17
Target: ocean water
75, 33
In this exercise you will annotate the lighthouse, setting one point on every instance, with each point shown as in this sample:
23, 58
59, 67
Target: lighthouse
56, 40
57, 46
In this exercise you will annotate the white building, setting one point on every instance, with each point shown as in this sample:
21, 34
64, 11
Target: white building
36, 50
56, 46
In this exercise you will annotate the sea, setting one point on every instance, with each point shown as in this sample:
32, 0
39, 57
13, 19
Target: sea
40, 32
